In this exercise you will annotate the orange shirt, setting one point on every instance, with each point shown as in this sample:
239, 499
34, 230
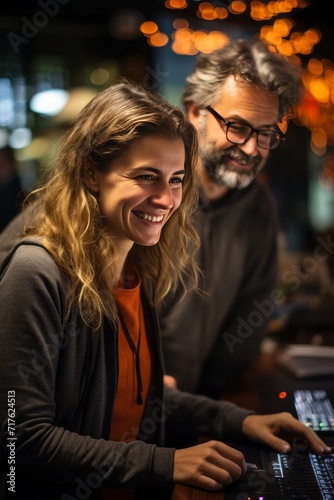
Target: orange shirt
127, 413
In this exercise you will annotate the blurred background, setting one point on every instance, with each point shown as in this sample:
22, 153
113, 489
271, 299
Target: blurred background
57, 54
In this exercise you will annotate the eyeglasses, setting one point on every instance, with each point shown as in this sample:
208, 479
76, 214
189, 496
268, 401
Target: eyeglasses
239, 133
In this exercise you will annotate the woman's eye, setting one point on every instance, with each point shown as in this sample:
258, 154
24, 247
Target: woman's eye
176, 180
145, 177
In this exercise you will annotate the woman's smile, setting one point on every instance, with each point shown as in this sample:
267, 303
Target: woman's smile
148, 217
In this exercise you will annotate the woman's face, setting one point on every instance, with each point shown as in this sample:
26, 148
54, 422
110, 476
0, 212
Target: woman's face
142, 190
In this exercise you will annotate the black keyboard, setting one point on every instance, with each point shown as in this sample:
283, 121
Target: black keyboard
314, 408
303, 476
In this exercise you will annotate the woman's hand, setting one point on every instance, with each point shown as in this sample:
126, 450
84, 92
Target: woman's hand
210, 465
279, 429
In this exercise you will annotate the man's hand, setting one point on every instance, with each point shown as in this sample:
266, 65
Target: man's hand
278, 431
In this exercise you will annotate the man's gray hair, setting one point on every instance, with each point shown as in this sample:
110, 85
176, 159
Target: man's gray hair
252, 61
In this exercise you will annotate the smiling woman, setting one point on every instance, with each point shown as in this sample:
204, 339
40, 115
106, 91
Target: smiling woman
123, 151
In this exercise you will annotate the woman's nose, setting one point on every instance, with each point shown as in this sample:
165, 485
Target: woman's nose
162, 196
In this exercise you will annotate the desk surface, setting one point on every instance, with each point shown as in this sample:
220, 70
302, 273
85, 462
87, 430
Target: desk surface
247, 393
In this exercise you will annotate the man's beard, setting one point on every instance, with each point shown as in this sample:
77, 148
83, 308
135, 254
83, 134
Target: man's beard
215, 163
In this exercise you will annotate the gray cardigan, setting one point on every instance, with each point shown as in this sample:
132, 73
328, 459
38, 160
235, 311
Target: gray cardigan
64, 378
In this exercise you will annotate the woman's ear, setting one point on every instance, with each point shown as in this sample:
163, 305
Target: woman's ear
90, 178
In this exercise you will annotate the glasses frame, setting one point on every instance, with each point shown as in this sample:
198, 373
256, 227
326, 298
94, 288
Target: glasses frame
227, 123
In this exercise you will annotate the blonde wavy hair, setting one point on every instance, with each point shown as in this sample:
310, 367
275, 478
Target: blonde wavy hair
70, 222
